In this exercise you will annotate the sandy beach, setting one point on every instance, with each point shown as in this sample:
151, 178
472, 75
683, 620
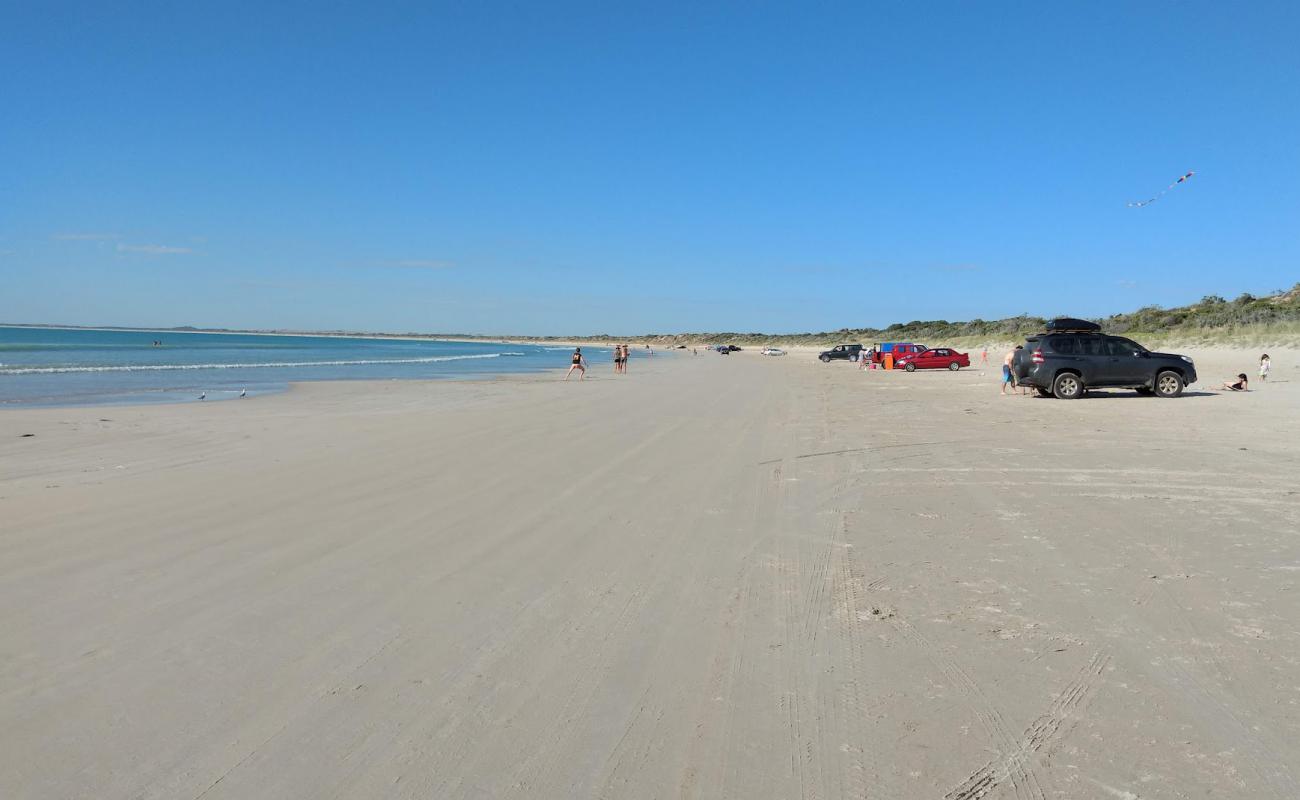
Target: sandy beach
736, 577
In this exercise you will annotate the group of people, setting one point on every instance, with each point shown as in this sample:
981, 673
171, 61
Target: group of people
620, 359
579, 361
867, 359
1242, 382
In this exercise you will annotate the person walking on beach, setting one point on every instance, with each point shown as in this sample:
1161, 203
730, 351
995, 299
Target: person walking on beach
984, 356
618, 358
1264, 366
626, 355
1008, 379
579, 363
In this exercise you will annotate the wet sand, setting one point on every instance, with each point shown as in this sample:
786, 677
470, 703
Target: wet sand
713, 577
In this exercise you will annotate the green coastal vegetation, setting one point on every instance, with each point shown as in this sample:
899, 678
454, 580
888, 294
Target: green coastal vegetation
1246, 320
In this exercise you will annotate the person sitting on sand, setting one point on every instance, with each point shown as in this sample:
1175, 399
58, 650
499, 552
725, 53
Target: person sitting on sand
1238, 385
579, 363
1264, 366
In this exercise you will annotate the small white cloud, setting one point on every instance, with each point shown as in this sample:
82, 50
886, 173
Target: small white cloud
152, 249
422, 263
1126, 283
86, 237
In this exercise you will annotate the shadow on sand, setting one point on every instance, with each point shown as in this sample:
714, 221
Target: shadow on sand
1126, 394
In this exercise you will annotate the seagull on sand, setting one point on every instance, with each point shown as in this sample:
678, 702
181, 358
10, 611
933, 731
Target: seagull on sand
203, 396
244, 393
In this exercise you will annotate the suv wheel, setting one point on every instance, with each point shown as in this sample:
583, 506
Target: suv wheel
1169, 384
1068, 386
825, 359
954, 366
910, 367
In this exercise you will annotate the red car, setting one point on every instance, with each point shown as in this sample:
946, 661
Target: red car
934, 358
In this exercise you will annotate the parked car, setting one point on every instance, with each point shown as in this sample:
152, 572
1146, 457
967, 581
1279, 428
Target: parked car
772, 351
934, 358
898, 349
1072, 356
841, 352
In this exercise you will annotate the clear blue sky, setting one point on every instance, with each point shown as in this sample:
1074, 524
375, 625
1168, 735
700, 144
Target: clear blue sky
580, 168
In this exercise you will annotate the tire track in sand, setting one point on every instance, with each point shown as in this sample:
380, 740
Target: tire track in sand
1040, 734
861, 773
1024, 782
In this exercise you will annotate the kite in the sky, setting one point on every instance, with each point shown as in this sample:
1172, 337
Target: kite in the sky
1163, 192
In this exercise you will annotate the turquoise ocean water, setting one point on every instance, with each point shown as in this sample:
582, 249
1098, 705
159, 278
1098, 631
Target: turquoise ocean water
58, 366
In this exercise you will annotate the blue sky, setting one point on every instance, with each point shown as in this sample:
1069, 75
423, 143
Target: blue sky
626, 168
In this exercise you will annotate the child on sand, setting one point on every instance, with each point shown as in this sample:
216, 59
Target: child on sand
1238, 385
1264, 366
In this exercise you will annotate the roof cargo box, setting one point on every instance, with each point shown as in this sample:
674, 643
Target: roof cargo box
1063, 324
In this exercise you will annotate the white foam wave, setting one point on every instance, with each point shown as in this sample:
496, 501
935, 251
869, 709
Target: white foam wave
263, 365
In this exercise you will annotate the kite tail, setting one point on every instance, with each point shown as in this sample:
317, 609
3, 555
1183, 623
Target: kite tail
1162, 193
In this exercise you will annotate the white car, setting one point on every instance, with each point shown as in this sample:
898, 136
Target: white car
772, 351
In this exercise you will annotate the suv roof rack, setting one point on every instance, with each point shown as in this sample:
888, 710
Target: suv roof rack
1071, 325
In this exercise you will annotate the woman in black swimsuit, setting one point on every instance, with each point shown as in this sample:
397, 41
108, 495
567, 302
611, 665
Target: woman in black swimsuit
1238, 385
579, 363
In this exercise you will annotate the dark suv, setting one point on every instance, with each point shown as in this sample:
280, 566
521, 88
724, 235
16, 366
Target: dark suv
1070, 359
846, 352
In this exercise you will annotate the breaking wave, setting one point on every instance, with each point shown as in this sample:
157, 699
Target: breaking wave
262, 365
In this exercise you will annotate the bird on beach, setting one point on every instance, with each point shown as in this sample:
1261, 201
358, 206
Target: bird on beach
203, 396
243, 393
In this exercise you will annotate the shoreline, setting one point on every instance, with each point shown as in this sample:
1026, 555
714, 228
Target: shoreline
1283, 359
54, 367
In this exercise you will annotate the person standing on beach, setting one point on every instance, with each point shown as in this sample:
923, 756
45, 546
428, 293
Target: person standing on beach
626, 355
618, 359
579, 363
1264, 366
1008, 379
984, 356
867, 358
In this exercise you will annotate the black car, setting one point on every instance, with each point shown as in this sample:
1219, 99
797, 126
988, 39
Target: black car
1073, 356
843, 352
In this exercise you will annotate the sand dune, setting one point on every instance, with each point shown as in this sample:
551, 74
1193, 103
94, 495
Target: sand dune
713, 577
